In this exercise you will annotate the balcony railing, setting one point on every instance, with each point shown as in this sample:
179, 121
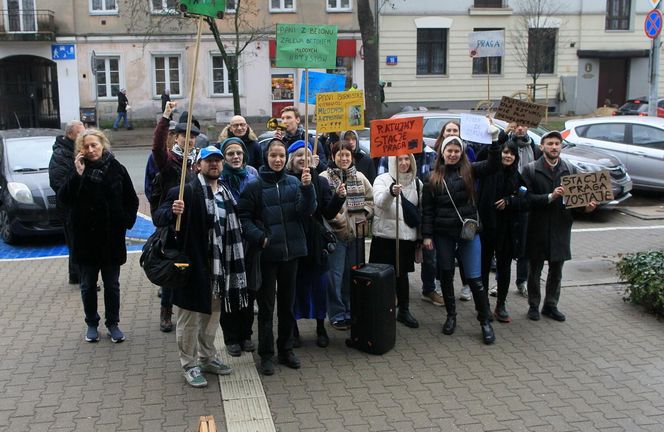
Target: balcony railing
27, 22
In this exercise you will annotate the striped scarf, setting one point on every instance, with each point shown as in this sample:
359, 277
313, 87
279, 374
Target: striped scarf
226, 253
355, 193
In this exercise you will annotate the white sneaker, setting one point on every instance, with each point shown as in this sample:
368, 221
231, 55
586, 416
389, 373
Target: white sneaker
522, 288
493, 292
465, 293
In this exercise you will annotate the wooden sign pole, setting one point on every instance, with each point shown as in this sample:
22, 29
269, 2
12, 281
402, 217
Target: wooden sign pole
185, 151
306, 117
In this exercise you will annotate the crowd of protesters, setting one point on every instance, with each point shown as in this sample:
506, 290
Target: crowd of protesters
282, 220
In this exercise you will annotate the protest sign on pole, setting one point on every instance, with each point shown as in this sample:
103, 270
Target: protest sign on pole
487, 44
581, 189
304, 46
209, 8
396, 137
320, 82
339, 111
525, 113
475, 128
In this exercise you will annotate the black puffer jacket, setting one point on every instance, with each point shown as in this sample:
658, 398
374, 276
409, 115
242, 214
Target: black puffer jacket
101, 213
438, 214
274, 206
60, 166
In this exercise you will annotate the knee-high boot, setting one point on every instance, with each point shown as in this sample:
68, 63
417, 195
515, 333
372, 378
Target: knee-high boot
447, 286
483, 310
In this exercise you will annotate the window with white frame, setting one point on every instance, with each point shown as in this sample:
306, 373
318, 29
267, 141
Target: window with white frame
339, 5
107, 76
103, 7
230, 6
282, 5
221, 84
163, 6
167, 74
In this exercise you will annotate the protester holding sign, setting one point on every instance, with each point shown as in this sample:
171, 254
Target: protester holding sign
349, 226
501, 202
549, 225
383, 243
449, 202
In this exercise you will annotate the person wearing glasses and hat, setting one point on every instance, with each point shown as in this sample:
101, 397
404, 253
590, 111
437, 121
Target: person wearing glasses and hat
168, 161
217, 278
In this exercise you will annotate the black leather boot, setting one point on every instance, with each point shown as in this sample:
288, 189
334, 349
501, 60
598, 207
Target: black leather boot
447, 285
406, 318
488, 336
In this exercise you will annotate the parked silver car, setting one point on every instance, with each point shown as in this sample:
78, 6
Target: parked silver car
584, 159
636, 140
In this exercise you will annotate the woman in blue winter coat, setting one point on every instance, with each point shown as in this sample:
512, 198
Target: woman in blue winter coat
273, 209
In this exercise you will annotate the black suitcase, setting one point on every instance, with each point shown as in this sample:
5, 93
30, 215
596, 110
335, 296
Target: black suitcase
373, 311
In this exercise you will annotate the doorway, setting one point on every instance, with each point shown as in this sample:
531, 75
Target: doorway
612, 89
29, 93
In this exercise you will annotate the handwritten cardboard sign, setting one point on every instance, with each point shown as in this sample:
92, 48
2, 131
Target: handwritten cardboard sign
210, 8
320, 82
525, 113
339, 111
581, 189
303, 46
475, 128
396, 137
486, 43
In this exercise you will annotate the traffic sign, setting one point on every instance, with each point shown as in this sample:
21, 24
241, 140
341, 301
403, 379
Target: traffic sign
654, 3
63, 52
653, 23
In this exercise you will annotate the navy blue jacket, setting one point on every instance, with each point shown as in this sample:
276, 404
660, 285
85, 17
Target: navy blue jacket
274, 206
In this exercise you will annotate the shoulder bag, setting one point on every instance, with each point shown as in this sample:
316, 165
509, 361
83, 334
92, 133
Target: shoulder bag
469, 227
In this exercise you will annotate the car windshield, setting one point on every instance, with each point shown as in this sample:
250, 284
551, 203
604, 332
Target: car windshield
30, 153
634, 106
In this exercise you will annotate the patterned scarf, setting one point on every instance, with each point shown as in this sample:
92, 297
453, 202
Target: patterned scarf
355, 193
97, 170
234, 176
226, 253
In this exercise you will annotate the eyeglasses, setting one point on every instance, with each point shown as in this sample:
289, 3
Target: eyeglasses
237, 125
234, 153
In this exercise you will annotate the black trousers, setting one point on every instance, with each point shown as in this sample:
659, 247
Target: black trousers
278, 283
553, 279
503, 263
237, 324
74, 271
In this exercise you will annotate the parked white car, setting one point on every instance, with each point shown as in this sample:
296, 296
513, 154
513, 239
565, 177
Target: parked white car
636, 140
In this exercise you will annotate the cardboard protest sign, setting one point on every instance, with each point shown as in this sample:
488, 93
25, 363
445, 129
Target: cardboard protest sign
396, 137
303, 46
339, 111
210, 8
487, 43
525, 113
320, 82
581, 189
475, 128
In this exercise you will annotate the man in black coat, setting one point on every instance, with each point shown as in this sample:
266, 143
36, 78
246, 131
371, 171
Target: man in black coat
208, 217
549, 225
59, 168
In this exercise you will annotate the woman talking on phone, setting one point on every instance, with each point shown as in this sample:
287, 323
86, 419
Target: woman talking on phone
449, 201
103, 205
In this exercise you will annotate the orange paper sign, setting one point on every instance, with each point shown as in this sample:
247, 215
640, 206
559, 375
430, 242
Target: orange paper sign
396, 137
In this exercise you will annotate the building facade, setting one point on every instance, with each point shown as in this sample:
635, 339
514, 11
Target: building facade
90, 49
596, 52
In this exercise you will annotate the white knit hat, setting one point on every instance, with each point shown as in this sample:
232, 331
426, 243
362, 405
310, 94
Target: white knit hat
451, 139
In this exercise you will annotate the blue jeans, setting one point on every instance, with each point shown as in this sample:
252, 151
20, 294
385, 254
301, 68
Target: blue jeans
338, 293
121, 116
110, 274
470, 252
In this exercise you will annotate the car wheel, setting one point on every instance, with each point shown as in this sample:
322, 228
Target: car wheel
5, 228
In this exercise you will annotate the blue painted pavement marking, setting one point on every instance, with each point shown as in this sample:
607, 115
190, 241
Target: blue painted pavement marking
55, 247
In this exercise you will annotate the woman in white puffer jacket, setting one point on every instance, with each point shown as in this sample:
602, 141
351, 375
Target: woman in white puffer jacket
383, 243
